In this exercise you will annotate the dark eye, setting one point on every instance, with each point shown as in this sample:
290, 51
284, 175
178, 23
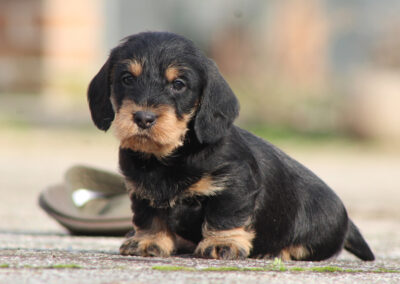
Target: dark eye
178, 85
127, 79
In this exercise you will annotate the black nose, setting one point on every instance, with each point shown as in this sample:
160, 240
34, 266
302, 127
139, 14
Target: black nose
144, 119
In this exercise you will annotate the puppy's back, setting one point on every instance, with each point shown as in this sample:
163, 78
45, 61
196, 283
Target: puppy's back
295, 207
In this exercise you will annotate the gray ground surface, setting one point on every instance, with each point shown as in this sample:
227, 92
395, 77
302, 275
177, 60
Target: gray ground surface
35, 249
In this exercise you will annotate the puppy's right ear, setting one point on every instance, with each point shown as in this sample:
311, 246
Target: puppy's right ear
99, 98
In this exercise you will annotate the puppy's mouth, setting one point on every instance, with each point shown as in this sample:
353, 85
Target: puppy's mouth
144, 135
155, 130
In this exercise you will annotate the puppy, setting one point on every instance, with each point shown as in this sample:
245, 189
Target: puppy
195, 179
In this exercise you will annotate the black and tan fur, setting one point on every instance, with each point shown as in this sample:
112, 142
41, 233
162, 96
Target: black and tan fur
195, 177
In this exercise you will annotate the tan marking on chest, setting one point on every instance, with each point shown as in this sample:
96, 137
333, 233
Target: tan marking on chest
205, 186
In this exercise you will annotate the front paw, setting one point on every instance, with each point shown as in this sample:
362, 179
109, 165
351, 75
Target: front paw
162, 246
225, 244
225, 250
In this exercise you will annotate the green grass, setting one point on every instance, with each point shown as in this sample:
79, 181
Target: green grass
173, 268
291, 135
328, 269
275, 267
385, 270
54, 266
16, 124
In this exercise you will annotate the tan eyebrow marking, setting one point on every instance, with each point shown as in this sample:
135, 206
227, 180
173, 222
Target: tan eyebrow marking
135, 67
171, 73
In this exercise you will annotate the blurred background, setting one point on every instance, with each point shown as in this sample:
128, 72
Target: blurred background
318, 78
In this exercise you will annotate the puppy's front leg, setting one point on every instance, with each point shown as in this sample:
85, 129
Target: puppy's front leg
152, 235
234, 243
227, 232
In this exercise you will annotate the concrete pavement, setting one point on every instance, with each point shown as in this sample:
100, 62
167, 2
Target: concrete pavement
35, 249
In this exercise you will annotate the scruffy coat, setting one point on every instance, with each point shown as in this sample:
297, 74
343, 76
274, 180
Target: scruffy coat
197, 182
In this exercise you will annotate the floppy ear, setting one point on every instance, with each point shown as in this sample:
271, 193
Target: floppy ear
99, 98
218, 107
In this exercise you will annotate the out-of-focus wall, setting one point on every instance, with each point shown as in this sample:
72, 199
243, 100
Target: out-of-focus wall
49, 46
313, 65
72, 43
20, 46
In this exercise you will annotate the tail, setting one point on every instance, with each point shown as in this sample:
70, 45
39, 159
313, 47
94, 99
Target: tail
356, 244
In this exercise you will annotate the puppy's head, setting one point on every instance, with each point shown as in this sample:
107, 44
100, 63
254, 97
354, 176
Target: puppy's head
150, 89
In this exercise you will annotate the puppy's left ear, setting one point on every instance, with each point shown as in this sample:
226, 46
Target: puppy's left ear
218, 107
99, 98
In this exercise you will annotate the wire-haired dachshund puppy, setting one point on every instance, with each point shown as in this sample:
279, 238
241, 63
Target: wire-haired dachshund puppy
195, 178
